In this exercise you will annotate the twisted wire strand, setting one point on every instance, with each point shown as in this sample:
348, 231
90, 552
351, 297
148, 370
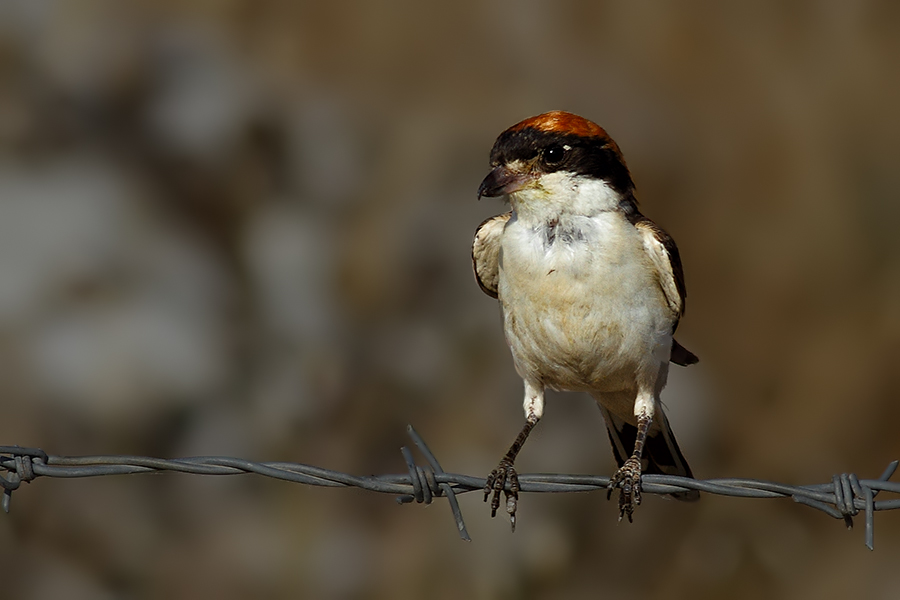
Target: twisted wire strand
841, 498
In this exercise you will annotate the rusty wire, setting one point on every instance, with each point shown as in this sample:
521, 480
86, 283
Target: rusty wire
842, 498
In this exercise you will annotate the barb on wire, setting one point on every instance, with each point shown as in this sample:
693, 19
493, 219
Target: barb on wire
842, 498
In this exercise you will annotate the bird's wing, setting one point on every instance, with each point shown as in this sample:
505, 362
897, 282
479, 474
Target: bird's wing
682, 356
486, 253
663, 254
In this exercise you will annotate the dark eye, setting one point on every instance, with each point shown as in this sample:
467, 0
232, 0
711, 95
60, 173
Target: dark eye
554, 155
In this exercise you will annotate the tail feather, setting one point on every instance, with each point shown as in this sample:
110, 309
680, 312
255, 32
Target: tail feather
661, 456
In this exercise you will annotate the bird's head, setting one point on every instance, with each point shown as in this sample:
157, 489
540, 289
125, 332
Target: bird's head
558, 158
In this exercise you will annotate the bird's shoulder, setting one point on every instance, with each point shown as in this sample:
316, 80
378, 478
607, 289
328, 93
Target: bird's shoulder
486, 252
663, 253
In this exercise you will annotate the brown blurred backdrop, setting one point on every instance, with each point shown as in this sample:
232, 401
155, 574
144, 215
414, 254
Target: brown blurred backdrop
243, 228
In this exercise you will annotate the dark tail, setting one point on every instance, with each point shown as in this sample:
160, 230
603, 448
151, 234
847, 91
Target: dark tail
661, 452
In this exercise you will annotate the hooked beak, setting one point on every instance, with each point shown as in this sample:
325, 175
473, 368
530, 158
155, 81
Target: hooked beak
501, 181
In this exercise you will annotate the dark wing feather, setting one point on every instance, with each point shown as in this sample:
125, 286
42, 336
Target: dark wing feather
682, 356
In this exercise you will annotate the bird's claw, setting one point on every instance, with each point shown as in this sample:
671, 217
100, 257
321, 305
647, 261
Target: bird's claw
628, 478
496, 483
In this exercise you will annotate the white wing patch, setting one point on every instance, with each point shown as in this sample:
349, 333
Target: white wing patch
486, 253
659, 257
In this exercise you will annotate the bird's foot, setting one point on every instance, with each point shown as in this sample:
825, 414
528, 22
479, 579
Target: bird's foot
628, 478
496, 483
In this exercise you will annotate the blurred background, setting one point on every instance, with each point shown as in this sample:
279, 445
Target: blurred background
243, 228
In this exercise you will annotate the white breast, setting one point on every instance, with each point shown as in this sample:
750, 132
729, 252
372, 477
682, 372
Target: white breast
582, 306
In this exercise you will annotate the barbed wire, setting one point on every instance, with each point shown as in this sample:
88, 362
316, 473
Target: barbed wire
842, 498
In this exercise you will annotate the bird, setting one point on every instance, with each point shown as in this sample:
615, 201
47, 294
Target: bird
590, 290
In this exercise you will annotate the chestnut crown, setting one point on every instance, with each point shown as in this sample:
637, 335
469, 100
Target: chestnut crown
561, 141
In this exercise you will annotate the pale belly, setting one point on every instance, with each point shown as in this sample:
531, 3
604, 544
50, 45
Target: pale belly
583, 316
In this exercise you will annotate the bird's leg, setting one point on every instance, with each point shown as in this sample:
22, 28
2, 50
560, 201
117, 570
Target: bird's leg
629, 474
505, 472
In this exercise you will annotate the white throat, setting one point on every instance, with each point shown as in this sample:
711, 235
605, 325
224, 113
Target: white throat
563, 194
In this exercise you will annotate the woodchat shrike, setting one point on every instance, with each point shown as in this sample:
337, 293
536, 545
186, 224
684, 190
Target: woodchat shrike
591, 292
